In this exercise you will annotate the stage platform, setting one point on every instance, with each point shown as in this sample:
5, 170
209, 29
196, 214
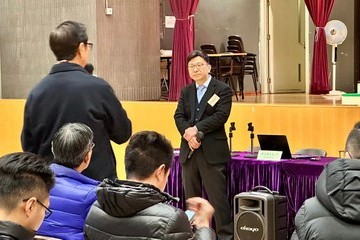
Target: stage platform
307, 120
290, 98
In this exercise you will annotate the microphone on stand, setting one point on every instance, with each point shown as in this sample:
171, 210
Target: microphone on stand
231, 129
199, 136
251, 129
252, 154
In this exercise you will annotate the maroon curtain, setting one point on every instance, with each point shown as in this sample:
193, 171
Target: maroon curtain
319, 11
183, 44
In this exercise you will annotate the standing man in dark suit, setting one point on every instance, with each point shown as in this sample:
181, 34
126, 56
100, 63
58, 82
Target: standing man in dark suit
204, 106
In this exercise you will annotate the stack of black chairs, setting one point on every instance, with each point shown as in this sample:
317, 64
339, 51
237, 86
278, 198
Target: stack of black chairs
224, 65
235, 44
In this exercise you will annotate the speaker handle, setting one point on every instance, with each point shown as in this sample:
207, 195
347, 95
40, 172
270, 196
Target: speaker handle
264, 188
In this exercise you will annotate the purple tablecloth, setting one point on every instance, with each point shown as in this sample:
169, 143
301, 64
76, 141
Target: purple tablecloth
299, 178
245, 173
292, 178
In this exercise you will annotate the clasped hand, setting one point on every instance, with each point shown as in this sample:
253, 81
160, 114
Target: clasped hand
190, 136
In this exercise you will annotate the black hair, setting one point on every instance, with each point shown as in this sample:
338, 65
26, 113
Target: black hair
353, 143
23, 175
146, 151
197, 53
65, 39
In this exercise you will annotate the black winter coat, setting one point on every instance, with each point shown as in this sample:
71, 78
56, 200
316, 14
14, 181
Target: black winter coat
132, 210
70, 94
13, 231
334, 213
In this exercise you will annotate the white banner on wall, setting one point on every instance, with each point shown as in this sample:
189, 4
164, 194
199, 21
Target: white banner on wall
170, 21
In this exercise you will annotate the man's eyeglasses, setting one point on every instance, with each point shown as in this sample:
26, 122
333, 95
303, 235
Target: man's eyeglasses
90, 44
92, 145
197, 66
48, 212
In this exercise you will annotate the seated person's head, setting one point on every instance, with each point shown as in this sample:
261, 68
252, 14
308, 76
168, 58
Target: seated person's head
148, 158
353, 143
72, 146
26, 180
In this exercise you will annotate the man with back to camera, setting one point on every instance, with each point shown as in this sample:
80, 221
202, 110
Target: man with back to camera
204, 106
70, 94
24, 195
73, 193
334, 212
137, 208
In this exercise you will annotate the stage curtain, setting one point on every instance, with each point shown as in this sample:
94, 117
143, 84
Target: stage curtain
319, 11
183, 44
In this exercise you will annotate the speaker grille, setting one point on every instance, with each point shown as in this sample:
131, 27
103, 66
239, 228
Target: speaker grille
250, 226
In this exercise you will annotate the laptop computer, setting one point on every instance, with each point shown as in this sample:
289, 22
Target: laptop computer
278, 143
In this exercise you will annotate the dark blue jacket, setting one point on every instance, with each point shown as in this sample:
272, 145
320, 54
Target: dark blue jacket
70, 94
70, 201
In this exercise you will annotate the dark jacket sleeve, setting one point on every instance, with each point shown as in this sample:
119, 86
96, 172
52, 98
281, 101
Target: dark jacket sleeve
117, 123
179, 227
27, 140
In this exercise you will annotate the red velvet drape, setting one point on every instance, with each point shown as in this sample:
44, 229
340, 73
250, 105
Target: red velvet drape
319, 11
183, 44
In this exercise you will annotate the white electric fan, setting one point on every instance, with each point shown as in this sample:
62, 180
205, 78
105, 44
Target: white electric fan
336, 33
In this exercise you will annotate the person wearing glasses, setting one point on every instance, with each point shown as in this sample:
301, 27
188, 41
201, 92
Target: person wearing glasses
74, 193
26, 180
204, 106
334, 212
70, 94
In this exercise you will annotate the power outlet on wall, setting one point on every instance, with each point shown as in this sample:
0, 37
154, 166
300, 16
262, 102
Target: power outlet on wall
108, 11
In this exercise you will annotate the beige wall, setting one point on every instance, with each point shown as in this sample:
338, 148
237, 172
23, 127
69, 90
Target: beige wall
317, 126
126, 50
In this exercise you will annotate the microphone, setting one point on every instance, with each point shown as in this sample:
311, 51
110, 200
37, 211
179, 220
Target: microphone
199, 136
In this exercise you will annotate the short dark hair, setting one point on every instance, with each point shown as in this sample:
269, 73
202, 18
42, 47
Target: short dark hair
23, 175
197, 53
357, 125
71, 143
65, 39
89, 68
352, 145
146, 151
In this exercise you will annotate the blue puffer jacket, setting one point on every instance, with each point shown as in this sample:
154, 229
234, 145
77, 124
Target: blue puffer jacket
70, 201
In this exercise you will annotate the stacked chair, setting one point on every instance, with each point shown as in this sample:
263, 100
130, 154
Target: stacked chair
235, 44
211, 49
226, 66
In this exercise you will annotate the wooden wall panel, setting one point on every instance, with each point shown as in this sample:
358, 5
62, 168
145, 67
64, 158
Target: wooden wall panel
129, 47
25, 26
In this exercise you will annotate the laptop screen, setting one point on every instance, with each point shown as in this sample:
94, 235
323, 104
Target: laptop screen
275, 143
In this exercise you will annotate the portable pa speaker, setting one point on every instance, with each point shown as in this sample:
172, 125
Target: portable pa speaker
260, 215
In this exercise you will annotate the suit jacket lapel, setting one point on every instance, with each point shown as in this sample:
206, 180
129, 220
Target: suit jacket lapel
208, 94
192, 100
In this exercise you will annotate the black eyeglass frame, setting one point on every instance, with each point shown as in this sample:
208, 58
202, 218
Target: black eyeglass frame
90, 44
48, 212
